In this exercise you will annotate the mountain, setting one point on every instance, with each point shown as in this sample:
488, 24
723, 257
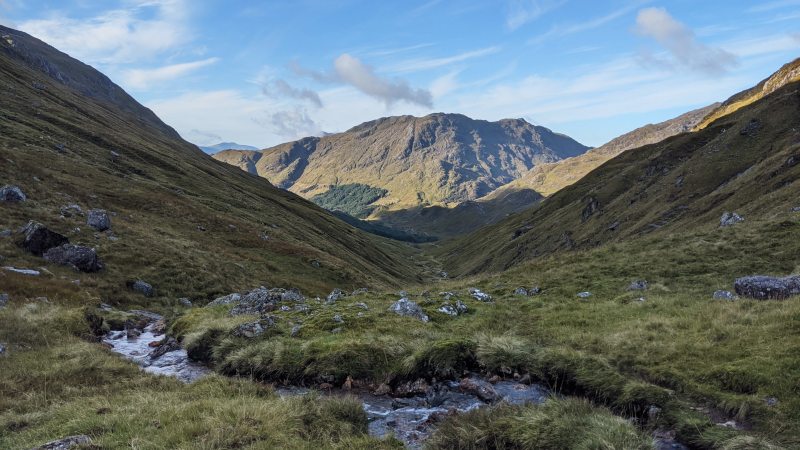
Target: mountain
440, 159
746, 161
548, 179
211, 149
183, 221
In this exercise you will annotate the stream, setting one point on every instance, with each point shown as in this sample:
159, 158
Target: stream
410, 419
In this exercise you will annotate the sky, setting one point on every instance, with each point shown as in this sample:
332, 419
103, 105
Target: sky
266, 72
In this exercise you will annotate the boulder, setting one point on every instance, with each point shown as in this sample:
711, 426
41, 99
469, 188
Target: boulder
336, 294
3, 300
12, 194
165, 346
638, 285
454, 310
338, 319
412, 388
99, 219
71, 210
407, 308
292, 295
584, 294
39, 239
764, 287
724, 295
67, 443
479, 388
79, 257
479, 295
185, 302
229, 299
446, 296
142, 287
729, 219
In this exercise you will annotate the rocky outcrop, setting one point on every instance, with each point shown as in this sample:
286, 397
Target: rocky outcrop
39, 239
79, 257
408, 308
12, 194
729, 219
765, 287
98, 219
258, 301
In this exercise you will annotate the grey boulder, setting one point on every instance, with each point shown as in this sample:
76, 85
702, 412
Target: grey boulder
79, 257
764, 287
729, 219
407, 308
12, 194
99, 219
479, 295
724, 295
142, 287
336, 294
638, 285
39, 239
454, 309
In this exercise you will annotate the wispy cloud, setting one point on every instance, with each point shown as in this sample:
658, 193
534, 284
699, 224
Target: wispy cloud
292, 124
414, 65
280, 88
351, 71
771, 6
145, 78
521, 12
681, 44
565, 30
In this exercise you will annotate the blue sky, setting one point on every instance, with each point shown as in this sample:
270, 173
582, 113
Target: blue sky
261, 73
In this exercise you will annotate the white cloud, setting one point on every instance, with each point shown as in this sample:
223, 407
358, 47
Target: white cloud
141, 31
144, 78
521, 12
680, 41
280, 88
292, 124
565, 30
414, 65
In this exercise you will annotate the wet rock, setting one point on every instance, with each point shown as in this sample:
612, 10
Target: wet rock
185, 302
39, 239
479, 388
383, 389
79, 257
336, 294
765, 287
71, 210
584, 294
729, 219
165, 346
253, 329
412, 388
29, 272
454, 309
142, 287
12, 194
479, 295
525, 379
3, 300
724, 295
408, 308
67, 443
98, 219
638, 285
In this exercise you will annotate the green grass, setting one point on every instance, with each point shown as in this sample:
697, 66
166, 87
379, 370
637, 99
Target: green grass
354, 199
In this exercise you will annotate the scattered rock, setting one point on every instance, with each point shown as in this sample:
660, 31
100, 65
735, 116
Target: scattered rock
165, 346
481, 389
771, 401
729, 219
296, 330
527, 292
106, 307
336, 330
142, 287
338, 319
29, 272
479, 295
359, 291
751, 128
443, 274
67, 443
407, 308
185, 302
447, 295
412, 388
292, 295
724, 295
39, 239
454, 310
362, 305
638, 285
335, 295
79, 257
253, 329
226, 300
2, 349
316, 264
71, 210
796, 209
584, 294
3, 300
5, 233
12, 194
764, 287
98, 219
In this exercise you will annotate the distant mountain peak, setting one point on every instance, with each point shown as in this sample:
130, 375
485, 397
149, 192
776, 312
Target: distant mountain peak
222, 146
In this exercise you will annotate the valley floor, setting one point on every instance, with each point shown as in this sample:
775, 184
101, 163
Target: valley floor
715, 373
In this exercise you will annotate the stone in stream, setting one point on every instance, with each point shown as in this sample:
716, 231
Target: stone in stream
39, 239
165, 346
79, 257
12, 194
724, 295
479, 388
408, 308
66, 443
765, 287
412, 388
729, 219
98, 219
479, 295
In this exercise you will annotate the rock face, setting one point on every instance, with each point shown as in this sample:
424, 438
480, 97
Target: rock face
80, 258
39, 239
764, 287
12, 194
407, 308
729, 219
142, 287
98, 219
67, 443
